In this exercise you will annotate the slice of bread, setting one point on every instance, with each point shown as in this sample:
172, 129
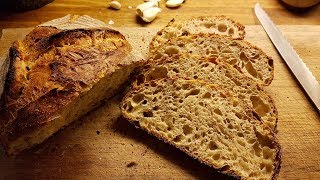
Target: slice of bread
240, 54
206, 25
217, 73
207, 123
55, 77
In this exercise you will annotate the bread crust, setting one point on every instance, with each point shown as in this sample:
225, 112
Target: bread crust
52, 67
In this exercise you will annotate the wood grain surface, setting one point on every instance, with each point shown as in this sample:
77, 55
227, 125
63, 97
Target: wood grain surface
102, 145
241, 10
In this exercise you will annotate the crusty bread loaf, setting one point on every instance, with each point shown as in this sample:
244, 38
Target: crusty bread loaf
206, 122
56, 76
217, 73
206, 25
240, 54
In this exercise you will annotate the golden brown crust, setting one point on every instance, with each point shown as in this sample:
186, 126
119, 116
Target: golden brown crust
50, 68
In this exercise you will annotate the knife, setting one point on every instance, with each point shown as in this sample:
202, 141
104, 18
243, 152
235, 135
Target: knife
292, 59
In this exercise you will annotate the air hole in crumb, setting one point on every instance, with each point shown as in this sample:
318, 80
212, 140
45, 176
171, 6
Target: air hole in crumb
171, 50
195, 77
193, 92
208, 25
268, 167
148, 114
257, 149
128, 107
225, 168
131, 164
180, 101
239, 115
175, 70
144, 102
216, 156
217, 111
207, 95
185, 86
155, 108
21, 91
250, 69
212, 145
140, 79
153, 84
185, 33
222, 27
240, 134
181, 45
157, 73
270, 62
187, 129
177, 138
138, 98
27, 68
243, 57
231, 31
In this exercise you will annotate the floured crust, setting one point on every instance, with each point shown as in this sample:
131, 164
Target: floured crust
51, 68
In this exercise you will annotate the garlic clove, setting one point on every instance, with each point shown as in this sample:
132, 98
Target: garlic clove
115, 5
174, 3
150, 14
142, 7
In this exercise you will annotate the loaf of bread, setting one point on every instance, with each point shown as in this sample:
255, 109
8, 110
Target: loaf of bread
210, 70
207, 123
56, 76
240, 54
200, 25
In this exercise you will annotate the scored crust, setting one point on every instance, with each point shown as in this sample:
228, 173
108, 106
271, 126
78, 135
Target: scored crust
50, 70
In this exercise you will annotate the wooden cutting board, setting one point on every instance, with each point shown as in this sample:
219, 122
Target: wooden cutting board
102, 145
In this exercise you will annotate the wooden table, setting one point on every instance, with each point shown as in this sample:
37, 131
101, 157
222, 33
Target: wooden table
102, 146
241, 10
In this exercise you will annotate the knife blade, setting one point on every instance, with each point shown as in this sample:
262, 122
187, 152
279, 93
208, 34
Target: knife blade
292, 59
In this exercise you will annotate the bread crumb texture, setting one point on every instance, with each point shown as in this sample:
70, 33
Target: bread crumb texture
207, 123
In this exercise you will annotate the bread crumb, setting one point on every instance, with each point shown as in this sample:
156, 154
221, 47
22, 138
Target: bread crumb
111, 22
131, 164
130, 7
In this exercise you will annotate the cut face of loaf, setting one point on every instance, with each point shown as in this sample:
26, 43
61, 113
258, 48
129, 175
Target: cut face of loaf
207, 123
201, 25
217, 73
240, 54
55, 77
